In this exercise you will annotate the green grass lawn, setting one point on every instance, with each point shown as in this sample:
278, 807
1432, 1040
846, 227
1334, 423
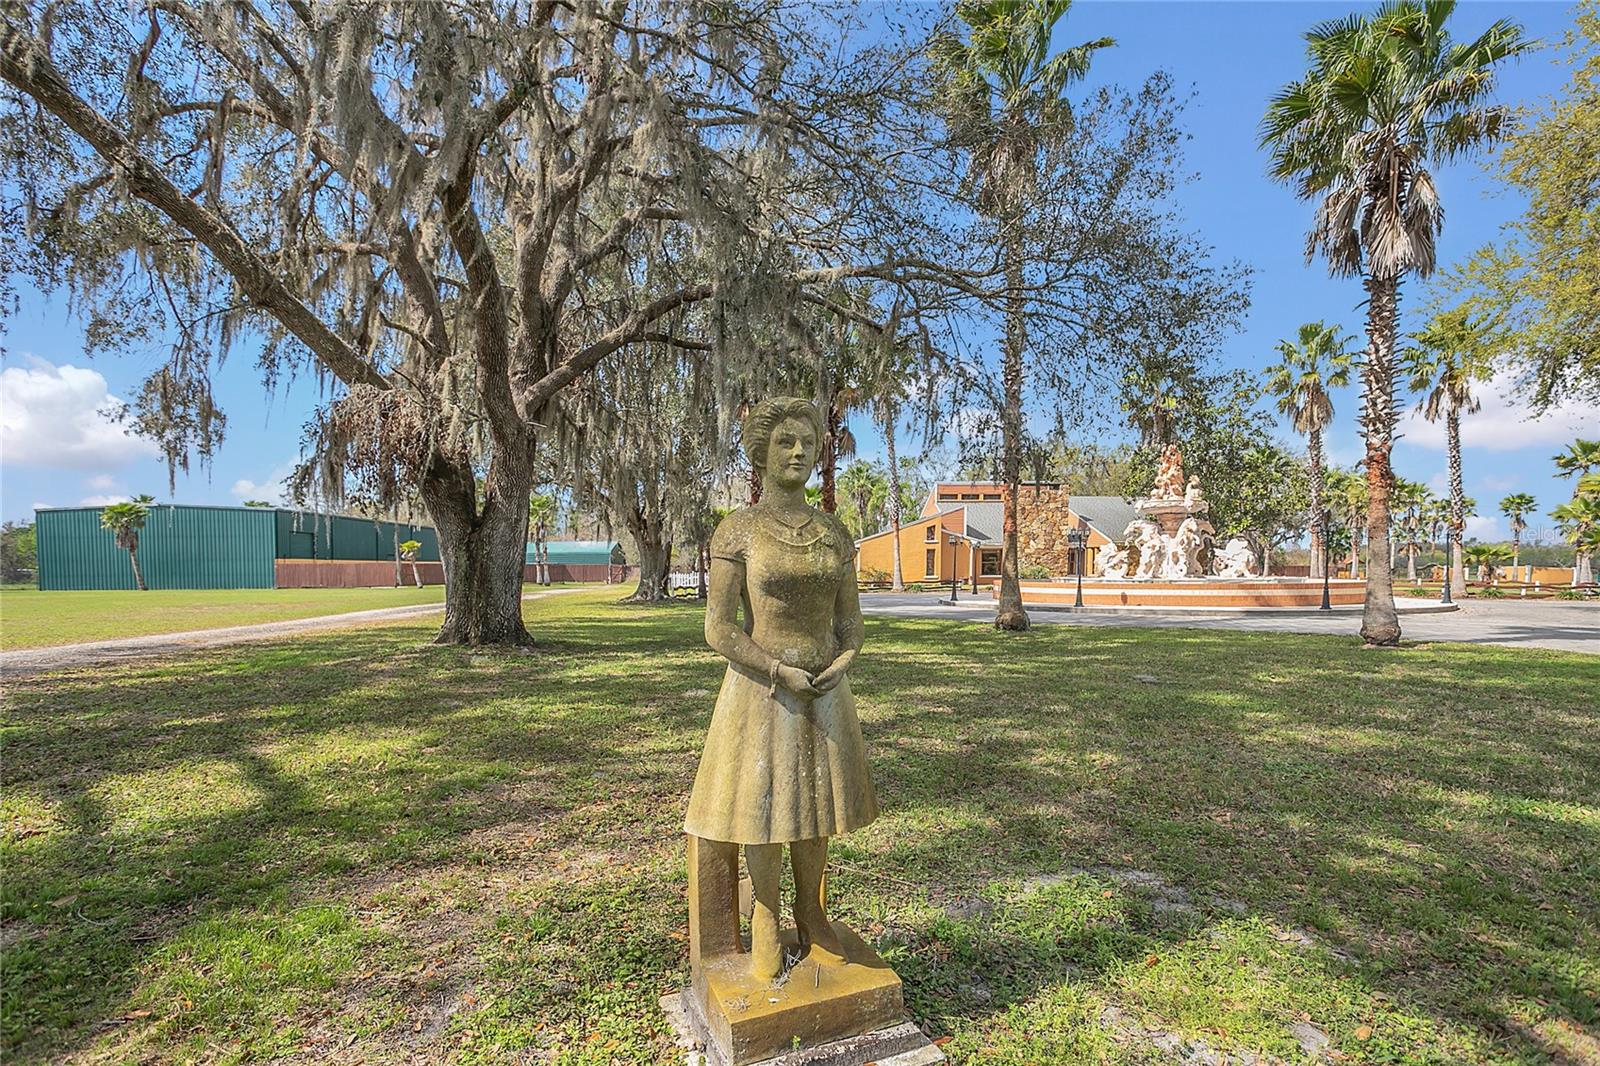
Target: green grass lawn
358, 847
33, 619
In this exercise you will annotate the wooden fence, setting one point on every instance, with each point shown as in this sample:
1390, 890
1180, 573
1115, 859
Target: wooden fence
352, 574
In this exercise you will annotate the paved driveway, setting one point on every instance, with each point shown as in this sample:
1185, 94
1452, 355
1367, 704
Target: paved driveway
1554, 624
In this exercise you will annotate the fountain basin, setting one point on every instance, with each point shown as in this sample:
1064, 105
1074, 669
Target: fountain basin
1197, 593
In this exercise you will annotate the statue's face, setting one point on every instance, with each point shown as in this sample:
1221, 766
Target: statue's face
792, 452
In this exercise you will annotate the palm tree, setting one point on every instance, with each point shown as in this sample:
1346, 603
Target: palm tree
1410, 498
1347, 495
1579, 518
409, 550
1448, 358
1516, 507
1581, 457
865, 491
1002, 91
889, 368
1388, 96
1435, 520
125, 520
1316, 361
1579, 521
541, 512
1485, 557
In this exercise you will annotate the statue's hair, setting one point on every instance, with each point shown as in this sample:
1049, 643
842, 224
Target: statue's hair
764, 417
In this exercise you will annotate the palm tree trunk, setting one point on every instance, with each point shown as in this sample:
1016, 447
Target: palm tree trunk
1355, 544
898, 583
832, 431
138, 574
1380, 624
1316, 500
399, 576
1010, 614
1458, 507
1411, 562
1516, 553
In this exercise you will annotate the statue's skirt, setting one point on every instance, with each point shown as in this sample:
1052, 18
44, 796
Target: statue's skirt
780, 767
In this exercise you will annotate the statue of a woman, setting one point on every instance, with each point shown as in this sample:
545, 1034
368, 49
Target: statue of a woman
783, 761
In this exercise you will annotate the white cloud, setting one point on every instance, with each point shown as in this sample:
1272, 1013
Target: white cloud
102, 501
102, 482
270, 488
60, 416
1483, 527
1503, 424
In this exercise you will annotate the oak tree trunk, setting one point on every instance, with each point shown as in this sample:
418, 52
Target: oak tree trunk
482, 548
1380, 624
655, 568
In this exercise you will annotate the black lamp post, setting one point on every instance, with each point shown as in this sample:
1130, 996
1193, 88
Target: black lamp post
1449, 572
1327, 605
1078, 539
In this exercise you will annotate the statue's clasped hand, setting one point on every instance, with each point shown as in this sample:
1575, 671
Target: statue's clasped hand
804, 683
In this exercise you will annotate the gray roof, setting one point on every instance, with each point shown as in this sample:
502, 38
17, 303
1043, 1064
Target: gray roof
985, 521
1109, 515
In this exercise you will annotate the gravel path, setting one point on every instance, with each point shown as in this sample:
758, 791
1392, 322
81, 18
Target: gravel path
1552, 624
66, 656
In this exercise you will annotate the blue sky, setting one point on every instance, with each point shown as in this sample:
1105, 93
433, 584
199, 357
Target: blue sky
57, 451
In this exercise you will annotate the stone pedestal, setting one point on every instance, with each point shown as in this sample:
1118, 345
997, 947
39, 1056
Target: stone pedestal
742, 1019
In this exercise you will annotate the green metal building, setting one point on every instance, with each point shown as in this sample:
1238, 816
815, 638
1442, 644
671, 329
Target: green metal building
186, 547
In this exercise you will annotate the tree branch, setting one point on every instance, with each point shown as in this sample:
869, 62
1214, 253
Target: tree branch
25, 64
626, 332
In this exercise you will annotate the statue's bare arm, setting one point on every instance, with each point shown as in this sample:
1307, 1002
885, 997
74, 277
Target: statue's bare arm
849, 630
728, 639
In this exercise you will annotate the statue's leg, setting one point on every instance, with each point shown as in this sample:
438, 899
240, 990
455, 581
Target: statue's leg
765, 862
817, 938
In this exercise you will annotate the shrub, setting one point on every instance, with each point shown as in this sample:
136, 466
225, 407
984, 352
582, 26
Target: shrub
1419, 593
1492, 593
1034, 572
1569, 594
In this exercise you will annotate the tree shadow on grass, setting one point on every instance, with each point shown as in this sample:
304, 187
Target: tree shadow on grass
1424, 813
233, 779
1427, 813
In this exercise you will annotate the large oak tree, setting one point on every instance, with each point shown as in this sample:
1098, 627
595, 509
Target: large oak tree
448, 212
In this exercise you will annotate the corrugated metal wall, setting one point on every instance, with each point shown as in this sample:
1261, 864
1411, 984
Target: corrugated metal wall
180, 547
189, 547
308, 535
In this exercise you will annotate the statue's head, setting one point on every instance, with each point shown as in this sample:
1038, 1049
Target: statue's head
783, 439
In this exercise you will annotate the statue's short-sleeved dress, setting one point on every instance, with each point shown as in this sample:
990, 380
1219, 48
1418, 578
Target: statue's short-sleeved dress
779, 767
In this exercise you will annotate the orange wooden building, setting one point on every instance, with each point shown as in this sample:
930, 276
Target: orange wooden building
960, 529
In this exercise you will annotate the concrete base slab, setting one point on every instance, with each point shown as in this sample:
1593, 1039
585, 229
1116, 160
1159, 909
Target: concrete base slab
896, 1045
1225, 612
